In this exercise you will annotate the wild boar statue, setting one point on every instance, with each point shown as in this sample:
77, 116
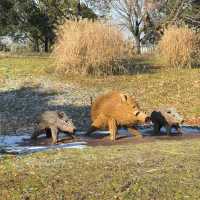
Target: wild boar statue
116, 109
168, 118
51, 122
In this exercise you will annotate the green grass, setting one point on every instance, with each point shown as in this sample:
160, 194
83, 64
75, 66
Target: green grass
19, 67
152, 86
161, 170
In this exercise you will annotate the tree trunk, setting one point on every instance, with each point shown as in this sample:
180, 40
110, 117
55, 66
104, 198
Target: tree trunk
138, 47
78, 9
36, 45
46, 44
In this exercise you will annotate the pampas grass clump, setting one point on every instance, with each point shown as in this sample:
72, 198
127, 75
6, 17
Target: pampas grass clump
178, 47
87, 47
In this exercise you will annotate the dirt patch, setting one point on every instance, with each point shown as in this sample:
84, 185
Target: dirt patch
104, 139
22, 144
132, 140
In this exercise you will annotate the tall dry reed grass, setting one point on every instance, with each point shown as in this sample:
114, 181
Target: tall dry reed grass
86, 47
178, 47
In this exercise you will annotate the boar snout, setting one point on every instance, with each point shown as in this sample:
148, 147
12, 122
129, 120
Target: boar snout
66, 126
70, 130
142, 117
73, 131
147, 119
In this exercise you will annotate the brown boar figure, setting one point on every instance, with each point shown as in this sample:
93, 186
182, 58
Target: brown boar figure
168, 118
51, 122
116, 109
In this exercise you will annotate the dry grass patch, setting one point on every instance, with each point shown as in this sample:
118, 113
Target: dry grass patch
179, 47
161, 170
86, 47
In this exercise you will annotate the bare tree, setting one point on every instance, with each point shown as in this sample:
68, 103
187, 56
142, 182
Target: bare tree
187, 11
78, 8
101, 6
132, 15
147, 19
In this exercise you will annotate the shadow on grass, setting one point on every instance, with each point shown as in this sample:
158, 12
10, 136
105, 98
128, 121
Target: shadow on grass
142, 64
137, 66
19, 109
141, 69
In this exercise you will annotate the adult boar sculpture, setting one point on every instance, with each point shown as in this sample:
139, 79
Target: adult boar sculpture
116, 109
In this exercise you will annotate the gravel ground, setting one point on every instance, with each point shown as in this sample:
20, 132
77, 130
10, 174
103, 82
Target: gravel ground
22, 100
20, 105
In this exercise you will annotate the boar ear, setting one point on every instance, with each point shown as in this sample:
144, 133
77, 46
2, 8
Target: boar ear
123, 97
61, 114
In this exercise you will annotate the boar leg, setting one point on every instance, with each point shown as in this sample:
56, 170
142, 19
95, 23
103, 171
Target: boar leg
168, 130
48, 132
134, 132
54, 133
112, 126
156, 129
179, 131
36, 133
90, 130
71, 135
95, 125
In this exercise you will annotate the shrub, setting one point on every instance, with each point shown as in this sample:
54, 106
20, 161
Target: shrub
178, 47
86, 47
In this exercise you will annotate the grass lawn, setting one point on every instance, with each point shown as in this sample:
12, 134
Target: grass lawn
161, 170
152, 86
